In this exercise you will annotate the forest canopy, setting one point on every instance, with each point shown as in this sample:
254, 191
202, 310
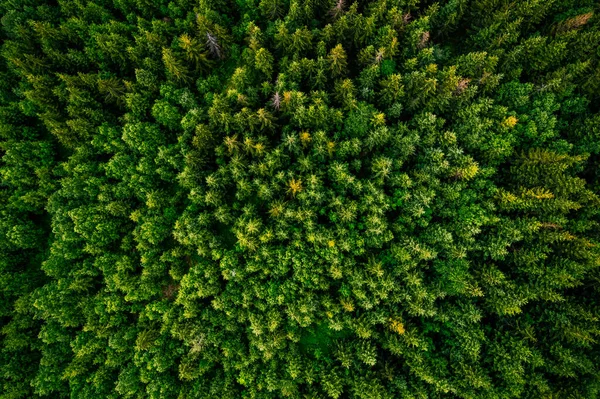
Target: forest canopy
386, 199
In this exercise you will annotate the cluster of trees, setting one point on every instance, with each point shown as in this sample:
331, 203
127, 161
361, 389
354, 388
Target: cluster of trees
300, 199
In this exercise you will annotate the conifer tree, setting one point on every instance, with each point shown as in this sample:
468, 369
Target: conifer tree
299, 199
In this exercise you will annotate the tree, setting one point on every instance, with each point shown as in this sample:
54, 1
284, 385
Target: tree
265, 199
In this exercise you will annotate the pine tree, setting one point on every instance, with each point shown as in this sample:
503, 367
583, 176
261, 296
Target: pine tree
262, 199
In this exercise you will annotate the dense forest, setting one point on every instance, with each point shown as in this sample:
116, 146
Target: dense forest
300, 199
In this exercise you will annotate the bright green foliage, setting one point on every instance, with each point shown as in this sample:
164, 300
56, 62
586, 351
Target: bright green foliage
299, 199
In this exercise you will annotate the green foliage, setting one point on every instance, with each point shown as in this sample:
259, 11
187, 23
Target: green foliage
299, 199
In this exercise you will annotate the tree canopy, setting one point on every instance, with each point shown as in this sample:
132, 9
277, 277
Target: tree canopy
300, 199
